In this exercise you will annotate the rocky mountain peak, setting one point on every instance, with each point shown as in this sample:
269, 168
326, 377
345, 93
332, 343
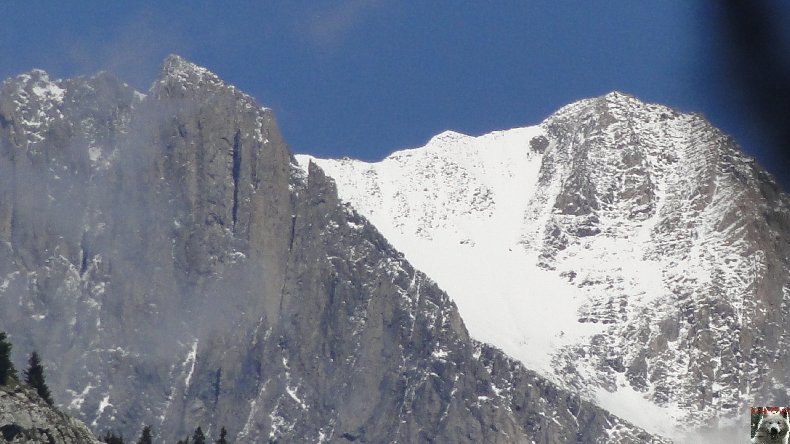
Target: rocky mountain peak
619, 97
181, 79
34, 76
632, 252
180, 68
193, 276
180, 76
35, 87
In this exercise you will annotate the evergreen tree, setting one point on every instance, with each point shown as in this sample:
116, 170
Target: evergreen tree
222, 434
145, 437
34, 377
198, 437
7, 370
112, 438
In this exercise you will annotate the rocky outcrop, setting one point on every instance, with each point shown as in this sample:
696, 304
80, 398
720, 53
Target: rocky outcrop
174, 268
651, 253
26, 418
711, 221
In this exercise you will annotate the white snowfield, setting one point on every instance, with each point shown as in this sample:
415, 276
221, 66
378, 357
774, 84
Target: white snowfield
454, 207
559, 289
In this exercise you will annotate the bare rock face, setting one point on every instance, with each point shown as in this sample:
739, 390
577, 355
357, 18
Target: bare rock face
713, 223
174, 267
26, 418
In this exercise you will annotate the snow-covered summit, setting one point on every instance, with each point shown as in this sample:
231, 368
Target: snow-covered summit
446, 137
36, 99
622, 248
42, 87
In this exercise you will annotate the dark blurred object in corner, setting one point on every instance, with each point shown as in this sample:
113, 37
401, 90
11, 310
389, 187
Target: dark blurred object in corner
757, 58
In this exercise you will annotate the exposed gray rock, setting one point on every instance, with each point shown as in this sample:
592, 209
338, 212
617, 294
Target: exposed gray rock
716, 339
175, 268
26, 418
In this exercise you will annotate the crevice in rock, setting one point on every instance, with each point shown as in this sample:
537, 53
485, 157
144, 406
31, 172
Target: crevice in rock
85, 254
236, 171
349, 437
293, 231
217, 385
46, 432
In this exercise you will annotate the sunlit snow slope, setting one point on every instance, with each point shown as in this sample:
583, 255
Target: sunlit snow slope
626, 250
455, 207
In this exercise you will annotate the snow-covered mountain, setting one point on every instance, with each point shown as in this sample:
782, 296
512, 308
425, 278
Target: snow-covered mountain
174, 267
623, 249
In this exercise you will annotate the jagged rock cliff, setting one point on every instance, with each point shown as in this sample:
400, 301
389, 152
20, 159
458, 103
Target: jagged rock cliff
175, 267
626, 250
26, 418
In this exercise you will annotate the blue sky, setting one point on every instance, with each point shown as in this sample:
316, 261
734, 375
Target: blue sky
363, 78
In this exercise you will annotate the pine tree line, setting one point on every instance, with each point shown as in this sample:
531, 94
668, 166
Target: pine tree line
34, 375
7, 370
146, 437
